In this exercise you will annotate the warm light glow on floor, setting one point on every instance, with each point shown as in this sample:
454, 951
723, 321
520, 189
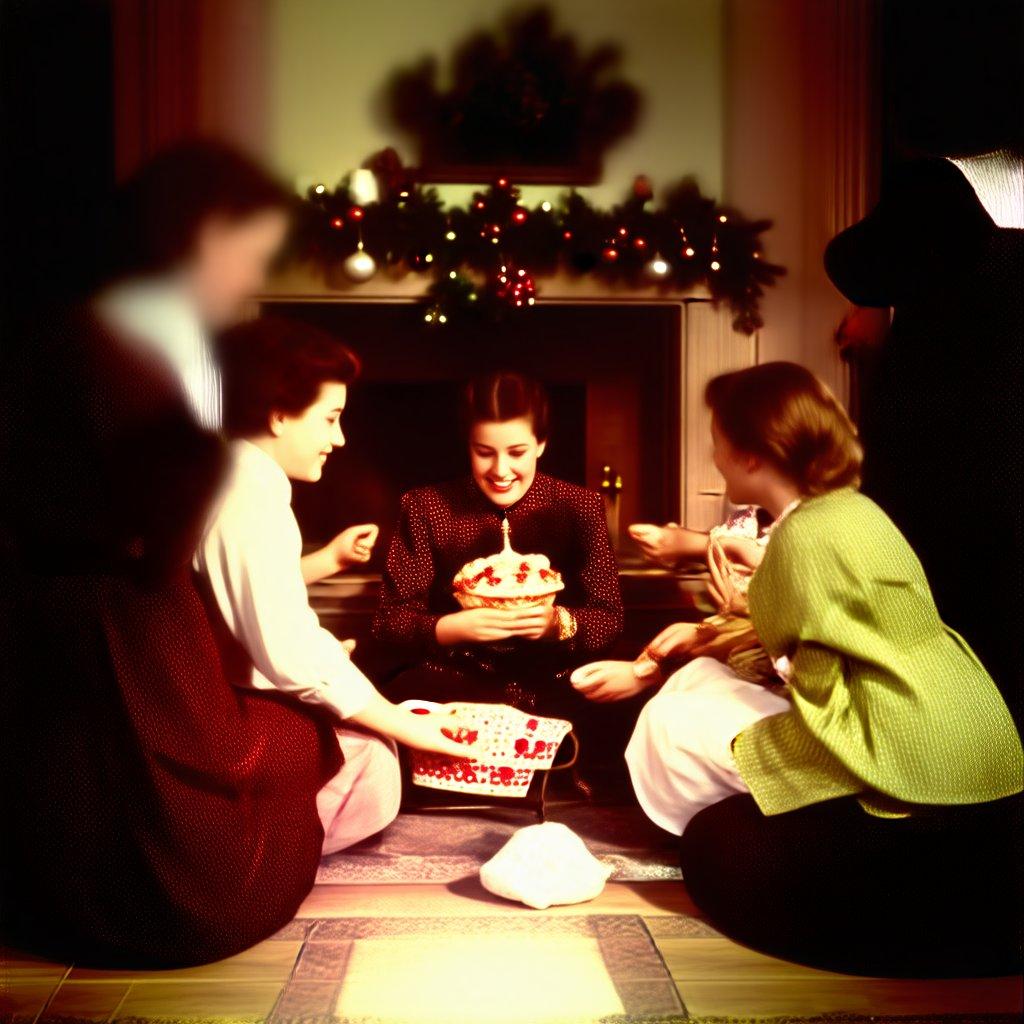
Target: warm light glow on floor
478, 979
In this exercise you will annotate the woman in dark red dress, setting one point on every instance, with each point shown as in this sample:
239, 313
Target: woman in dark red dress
152, 813
522, 657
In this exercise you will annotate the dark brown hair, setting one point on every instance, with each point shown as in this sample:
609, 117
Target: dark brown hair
161, 208
275, 365
503, 395
783, 414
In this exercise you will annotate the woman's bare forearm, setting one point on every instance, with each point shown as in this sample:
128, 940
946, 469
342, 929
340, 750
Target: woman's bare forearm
688, 545
318, 565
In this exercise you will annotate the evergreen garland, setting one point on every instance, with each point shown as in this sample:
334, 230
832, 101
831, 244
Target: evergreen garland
483, 257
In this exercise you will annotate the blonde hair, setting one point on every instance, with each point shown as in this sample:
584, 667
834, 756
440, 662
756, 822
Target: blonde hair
783, 414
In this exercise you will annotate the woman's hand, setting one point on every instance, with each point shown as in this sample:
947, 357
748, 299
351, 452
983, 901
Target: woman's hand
537, 623
486, 625
729, 600
434, 733
743, 551
681, 640
668, 545
350, 547
604, 681
354, 545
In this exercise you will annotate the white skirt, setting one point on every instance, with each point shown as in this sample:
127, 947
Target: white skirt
680, 755
364, 796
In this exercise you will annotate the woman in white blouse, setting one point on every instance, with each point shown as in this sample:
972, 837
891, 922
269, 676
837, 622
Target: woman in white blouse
285, 390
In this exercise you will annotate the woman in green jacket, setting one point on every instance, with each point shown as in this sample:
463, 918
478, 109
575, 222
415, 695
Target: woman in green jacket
886, 737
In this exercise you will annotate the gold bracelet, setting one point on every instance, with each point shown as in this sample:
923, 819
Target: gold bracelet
567, 624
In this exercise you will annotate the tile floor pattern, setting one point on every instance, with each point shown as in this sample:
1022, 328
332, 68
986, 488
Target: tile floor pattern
433, 954
448, 971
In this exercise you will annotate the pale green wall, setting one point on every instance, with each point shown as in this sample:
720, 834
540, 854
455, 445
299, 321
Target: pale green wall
328, 60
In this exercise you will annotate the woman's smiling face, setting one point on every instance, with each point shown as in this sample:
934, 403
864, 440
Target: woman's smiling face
503, 457
303, 442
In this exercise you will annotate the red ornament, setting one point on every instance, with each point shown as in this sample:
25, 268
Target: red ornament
567, 235
610, 254
640, 243
479, 204
337, 222
502, 183
355, 213
519, 215
514, 286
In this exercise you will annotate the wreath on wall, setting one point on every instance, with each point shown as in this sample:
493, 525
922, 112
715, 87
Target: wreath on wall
483, 258
525, 102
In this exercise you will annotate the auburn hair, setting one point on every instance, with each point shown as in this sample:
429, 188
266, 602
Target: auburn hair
783, 414
272, 365
160, 210
503, 395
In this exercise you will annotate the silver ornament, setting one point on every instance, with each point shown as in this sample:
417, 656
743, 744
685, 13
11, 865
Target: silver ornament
360, 266
658, 268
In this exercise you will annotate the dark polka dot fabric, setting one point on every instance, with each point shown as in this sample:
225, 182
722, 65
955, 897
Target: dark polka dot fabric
441, 528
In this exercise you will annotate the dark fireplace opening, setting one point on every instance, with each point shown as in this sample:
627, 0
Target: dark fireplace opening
613, 378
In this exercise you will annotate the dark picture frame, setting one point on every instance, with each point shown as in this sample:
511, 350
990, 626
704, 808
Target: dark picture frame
525, 102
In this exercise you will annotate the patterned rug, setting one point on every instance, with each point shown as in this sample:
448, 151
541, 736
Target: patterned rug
479, 970
446, 846
530, 969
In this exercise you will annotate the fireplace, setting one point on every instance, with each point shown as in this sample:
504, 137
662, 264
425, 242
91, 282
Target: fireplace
613, 376
625, 372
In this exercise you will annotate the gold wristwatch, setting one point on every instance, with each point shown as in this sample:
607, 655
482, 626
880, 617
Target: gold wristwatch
567, 624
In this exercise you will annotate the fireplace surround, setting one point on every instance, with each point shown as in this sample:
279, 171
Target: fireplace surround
625, 371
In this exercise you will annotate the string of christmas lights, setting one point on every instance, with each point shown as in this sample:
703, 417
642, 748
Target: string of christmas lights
484, 258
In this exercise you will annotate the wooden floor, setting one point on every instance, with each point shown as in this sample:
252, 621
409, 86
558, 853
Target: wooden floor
715, 977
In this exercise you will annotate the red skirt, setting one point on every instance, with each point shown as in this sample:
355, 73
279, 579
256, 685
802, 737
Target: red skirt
153, 814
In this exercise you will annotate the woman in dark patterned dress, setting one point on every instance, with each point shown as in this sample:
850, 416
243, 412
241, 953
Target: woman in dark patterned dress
522, 657
152, 813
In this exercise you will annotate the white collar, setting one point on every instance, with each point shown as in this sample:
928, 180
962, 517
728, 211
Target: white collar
782, 515
158, 315
157, 311
254, 462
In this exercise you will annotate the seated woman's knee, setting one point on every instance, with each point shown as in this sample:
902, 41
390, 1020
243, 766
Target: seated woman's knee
677, 723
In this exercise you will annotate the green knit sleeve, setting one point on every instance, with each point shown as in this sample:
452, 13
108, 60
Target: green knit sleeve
884, 697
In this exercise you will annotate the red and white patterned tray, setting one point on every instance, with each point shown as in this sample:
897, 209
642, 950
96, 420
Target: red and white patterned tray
506, 747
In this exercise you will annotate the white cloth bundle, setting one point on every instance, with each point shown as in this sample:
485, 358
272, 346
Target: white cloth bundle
545, 865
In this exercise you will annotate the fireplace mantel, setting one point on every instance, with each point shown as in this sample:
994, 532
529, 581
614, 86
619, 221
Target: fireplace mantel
707, 345
311, 282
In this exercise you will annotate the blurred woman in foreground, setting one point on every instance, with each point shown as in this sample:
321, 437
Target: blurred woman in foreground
153, 815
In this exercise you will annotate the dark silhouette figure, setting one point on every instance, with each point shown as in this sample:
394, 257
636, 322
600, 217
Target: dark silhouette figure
941, 418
